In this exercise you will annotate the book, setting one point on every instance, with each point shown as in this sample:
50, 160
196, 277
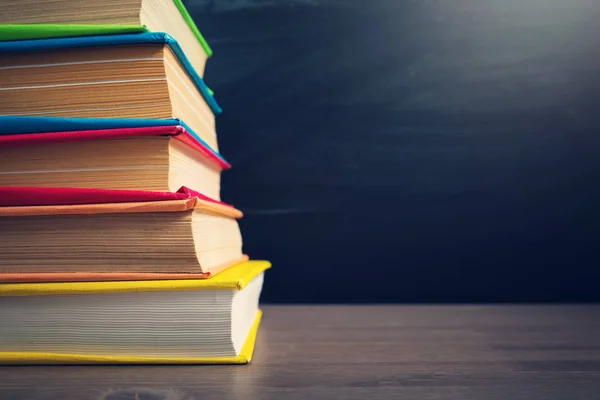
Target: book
34, 19
212, 321
145, 75
155, 158
72, 231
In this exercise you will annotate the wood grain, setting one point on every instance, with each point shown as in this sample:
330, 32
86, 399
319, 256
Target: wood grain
365, 352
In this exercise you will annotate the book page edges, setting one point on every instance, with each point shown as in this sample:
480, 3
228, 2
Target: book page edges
245, 356
57, 277
114, 40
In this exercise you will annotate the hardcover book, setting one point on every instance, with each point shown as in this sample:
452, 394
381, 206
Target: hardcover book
211, 321
87, 234
141, 75
86, 155
34, 19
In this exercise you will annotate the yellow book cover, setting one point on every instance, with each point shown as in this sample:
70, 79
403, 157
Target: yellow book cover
234, 292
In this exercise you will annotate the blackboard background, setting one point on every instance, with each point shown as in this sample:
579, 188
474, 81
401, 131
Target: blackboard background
412, 151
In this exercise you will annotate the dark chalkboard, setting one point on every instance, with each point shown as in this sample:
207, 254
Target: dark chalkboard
449, 146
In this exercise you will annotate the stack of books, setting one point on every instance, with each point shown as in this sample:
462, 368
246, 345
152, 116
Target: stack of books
115, 245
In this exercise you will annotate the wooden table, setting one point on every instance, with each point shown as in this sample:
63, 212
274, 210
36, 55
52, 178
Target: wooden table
365, 352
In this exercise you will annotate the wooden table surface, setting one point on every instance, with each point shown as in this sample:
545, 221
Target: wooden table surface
365, 352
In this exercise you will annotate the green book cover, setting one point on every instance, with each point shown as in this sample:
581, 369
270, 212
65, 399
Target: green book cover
43, 31
188, 19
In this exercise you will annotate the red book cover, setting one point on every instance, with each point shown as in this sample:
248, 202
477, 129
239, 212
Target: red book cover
176, 131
